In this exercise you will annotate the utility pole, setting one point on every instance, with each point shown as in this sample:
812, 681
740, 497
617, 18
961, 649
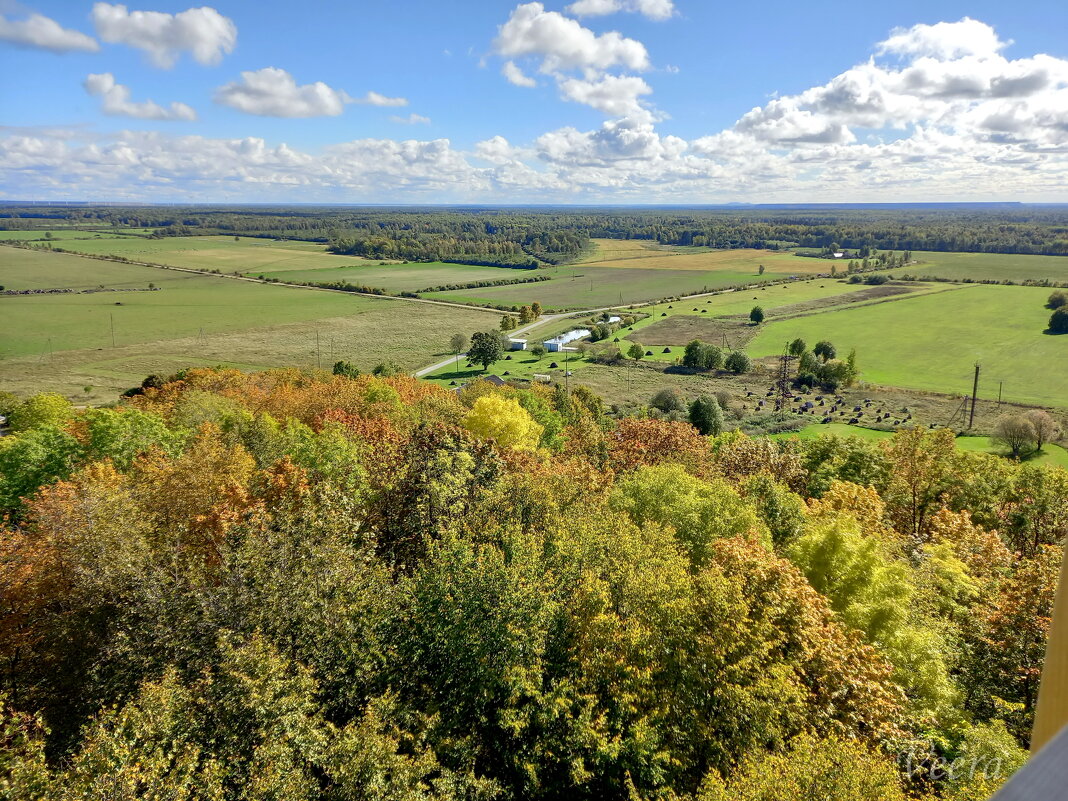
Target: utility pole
975, 391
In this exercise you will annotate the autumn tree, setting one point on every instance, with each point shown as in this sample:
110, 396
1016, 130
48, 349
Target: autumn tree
1046, 428
458, 343
1015, 432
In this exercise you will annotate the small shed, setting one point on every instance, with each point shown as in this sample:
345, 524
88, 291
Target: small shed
517, 344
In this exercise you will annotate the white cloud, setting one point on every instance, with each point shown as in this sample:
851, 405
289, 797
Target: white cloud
937, 121
944, 40
516, 76
203, 32
577, 58
116, 101
563, 44
272, 92
653, 9
375, 99
45, 33
411, 119
615, 95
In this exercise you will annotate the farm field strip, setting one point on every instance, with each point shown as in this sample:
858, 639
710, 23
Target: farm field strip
988, 266
61, 341
931, 342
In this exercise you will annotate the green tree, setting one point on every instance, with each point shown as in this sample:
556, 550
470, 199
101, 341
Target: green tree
738, 363
810, 769
756, 315
699, 512
825, 350
535, 310
485, 348
706, 416
668, 399
347, 369
760, 270
797, 347
1058, 321
46, 408
636, 352
538, 351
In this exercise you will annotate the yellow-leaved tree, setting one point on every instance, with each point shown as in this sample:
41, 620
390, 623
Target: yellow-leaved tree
505, 422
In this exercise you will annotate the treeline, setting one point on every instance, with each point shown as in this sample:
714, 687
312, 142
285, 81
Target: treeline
510, 237
299, 586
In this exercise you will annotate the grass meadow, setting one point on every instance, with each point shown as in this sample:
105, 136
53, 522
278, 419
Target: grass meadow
224, 253
1051, 455
64, 342
931, 342
989, 266
409, 277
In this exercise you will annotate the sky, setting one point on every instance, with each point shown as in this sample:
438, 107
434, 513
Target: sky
581, 101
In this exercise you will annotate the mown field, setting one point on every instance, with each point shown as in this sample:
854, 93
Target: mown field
989, 266
931, 342
64, 342
397, 277
67, 234
224, 253
642, 254
625, 271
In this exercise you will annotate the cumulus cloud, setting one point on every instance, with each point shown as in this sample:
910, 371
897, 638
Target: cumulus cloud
616, 95
944, 40
564, 44
375, 99
411, 119
38, 31
938, 121
516, 76
577, 58
202, 32
653, 9
116, 101
272, 92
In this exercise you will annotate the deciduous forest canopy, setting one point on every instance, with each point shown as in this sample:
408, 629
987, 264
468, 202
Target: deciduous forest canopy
293, 585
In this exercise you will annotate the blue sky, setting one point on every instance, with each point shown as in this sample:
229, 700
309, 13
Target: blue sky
654, 112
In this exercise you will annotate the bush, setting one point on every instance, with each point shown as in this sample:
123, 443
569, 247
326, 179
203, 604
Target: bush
738, 363
1058, 321
1057, 299
668, 400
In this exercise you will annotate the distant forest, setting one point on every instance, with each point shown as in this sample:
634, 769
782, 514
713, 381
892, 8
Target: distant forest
535, 236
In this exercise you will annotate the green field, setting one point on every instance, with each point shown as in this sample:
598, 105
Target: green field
223, 253
988, 266
582, 286
931, 342
65, 234
64, 342
398, 277
626, 271
41, 269
1051, 456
